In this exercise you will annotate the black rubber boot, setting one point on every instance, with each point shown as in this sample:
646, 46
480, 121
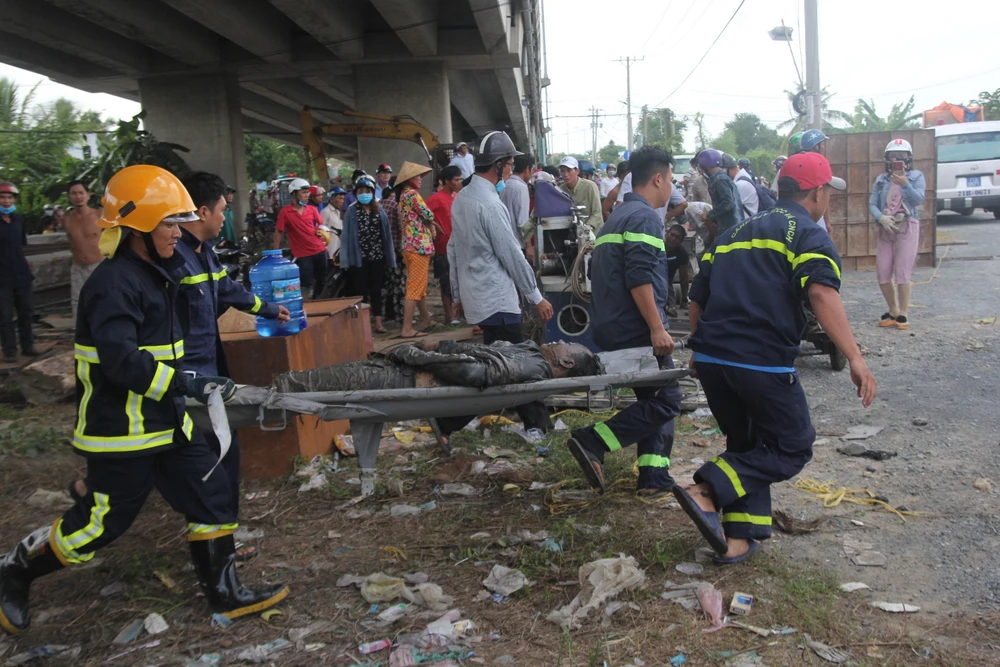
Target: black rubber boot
31, 558
215, 563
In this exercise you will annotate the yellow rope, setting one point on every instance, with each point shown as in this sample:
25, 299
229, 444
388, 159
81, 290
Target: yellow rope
574, 411
833, 497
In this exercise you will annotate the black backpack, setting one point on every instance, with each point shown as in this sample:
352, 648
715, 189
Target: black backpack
766, 199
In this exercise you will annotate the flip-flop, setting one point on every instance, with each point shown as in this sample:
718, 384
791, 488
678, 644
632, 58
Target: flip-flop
754, 548
589, 464
419, 334
245, 553
382, 330
439, 435
709, 524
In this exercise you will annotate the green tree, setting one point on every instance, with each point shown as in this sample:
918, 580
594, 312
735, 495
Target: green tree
990, 103
833, 120
14, 104
701, 136
901, 117
127, 146
748, 132
662, 128
610, 153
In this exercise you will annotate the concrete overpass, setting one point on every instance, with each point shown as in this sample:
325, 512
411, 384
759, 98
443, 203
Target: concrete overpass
207, 71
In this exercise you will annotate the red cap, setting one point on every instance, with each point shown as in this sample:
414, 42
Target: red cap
810, 170
313, 191
383, 167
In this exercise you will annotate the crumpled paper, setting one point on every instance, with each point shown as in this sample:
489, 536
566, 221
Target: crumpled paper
600, 580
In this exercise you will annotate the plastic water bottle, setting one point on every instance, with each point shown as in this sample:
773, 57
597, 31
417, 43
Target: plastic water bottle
276, 280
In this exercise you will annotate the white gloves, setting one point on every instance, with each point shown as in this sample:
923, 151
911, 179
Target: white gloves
888, 224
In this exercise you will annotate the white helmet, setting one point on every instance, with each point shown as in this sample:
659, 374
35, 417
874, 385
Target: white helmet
899, 145
298, 184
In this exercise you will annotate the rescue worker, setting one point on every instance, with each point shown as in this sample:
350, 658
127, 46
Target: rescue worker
727, 208
131, 423
746, 323
630, 288
205, 292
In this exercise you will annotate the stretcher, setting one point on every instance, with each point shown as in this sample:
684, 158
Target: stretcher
369, 410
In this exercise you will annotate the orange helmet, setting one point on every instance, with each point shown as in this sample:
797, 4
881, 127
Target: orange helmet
9, 188
142, 196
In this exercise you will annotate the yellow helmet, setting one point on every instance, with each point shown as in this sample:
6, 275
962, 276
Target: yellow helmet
142, 196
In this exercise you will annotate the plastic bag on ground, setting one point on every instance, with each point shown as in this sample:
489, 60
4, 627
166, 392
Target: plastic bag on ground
505, 581
380, 587
600, 580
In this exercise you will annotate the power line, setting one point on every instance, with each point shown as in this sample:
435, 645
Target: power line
657, 26
707, 51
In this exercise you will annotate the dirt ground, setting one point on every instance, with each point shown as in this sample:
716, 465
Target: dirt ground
940, 373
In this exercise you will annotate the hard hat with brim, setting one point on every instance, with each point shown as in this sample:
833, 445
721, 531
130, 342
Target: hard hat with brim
142, 196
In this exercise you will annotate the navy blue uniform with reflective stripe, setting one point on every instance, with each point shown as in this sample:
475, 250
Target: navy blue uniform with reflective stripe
751, 288
629, 252
207, 291
752, 283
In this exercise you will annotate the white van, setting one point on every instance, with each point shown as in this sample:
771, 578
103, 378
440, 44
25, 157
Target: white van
968, 167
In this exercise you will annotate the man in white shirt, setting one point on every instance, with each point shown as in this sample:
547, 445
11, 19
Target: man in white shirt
515, 195
463, 159
748, 191
673, 208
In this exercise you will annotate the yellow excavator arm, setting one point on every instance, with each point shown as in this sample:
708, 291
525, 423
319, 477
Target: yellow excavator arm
386, 127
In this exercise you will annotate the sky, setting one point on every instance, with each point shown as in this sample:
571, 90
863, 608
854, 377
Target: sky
875, 49
879, 50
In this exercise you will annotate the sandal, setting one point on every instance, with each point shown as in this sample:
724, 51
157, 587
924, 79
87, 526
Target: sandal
419, 334
754, 548
902, 323
381, 330
887, 320
589, 464
245, 554
709, 524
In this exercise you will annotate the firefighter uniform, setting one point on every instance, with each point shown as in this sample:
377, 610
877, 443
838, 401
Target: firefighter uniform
132, 425
751, 288
131, 422
205, 292
629, 252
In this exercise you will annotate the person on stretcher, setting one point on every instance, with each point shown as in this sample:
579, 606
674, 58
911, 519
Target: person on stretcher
451, 364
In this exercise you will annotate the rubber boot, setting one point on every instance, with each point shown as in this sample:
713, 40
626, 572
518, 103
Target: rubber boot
33, 557
215, 564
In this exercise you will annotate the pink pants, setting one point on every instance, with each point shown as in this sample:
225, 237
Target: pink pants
896, 253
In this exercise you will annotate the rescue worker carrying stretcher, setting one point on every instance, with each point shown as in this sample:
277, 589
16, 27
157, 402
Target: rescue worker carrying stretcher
629, 277
746, 323
132, 426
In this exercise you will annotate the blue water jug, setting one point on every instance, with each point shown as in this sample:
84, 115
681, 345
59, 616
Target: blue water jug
276, 280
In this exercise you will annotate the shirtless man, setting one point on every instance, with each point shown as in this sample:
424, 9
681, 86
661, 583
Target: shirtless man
83, 233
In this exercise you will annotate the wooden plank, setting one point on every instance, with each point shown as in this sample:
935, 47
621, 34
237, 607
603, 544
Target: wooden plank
857, 240
384, 345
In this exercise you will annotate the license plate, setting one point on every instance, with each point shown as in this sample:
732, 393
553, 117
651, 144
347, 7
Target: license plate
973, 181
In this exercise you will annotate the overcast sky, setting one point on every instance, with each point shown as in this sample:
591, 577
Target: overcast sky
877, 49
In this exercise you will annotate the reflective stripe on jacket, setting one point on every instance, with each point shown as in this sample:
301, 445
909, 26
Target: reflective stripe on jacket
129, 393
205, 292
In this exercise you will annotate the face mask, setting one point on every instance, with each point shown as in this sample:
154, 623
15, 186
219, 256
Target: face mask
500, 186
611, 174
7, 210
365, 199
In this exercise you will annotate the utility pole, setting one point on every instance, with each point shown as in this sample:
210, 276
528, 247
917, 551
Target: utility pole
594, 115
814, 120
645, 128
628, 60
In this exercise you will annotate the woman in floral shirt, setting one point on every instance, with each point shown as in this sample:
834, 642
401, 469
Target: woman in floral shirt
419, 228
